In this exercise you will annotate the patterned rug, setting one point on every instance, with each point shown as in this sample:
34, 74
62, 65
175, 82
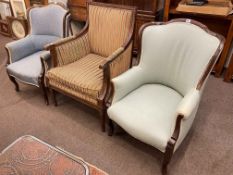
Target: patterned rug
31, 156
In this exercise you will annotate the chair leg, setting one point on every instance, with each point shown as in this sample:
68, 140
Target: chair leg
54, 97
44, 90
110, 127
102, 118
167, 156
15, 83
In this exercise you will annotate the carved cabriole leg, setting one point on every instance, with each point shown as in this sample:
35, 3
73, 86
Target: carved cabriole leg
44, 90
54, 97
15, 83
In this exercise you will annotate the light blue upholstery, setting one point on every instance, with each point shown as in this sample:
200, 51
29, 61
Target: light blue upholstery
28, 69
48, 24
47, 20
29, 45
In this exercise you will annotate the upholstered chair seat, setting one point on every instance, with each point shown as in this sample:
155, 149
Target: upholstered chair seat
27, 55
82, 78
155, 106
156, 101
83, 65
32, 68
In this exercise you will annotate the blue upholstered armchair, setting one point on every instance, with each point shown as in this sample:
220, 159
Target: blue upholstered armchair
26, 56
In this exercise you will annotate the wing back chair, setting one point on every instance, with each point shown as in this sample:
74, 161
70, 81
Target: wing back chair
157, 100
83, 65
46, 24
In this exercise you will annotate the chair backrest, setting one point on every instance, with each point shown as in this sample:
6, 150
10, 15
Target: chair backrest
177, 53
109, 27
48, 20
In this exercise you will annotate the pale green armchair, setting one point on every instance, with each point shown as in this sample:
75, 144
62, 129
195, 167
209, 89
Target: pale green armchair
157, 100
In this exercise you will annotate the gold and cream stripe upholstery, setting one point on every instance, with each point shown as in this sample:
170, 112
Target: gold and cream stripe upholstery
77, 60
83, 78
72, 50
108, 29
122, 63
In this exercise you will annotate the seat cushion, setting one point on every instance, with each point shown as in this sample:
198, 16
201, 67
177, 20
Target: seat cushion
82, 78
148, 114
27, 69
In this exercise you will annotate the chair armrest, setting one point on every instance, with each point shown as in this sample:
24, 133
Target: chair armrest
126, 83
189, 103
45, 56
20, 49
69, 49
58, 42
112, 57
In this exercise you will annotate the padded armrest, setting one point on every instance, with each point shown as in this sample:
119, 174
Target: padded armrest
189, 103
20, 48
45, 56
126, 83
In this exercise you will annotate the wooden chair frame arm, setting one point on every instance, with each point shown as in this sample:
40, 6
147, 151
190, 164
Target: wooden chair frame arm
106, 91
112, 57
59, 42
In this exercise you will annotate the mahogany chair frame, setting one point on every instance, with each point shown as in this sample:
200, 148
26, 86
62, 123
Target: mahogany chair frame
101, 106
172, 142
41, 76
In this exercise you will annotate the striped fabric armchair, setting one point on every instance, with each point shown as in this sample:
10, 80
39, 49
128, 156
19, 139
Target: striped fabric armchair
83, 65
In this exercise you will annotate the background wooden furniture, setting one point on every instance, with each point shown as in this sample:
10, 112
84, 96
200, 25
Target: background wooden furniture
147, 11
78, 9
30, 3
4, 26
18, 27
218, 24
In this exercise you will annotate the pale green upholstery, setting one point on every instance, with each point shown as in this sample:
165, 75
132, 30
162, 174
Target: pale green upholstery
148, 98
48, 24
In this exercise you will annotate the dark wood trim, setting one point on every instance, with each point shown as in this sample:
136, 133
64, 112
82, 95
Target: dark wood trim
110, 127
41, 81
171, 144
229, 73
14, 82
